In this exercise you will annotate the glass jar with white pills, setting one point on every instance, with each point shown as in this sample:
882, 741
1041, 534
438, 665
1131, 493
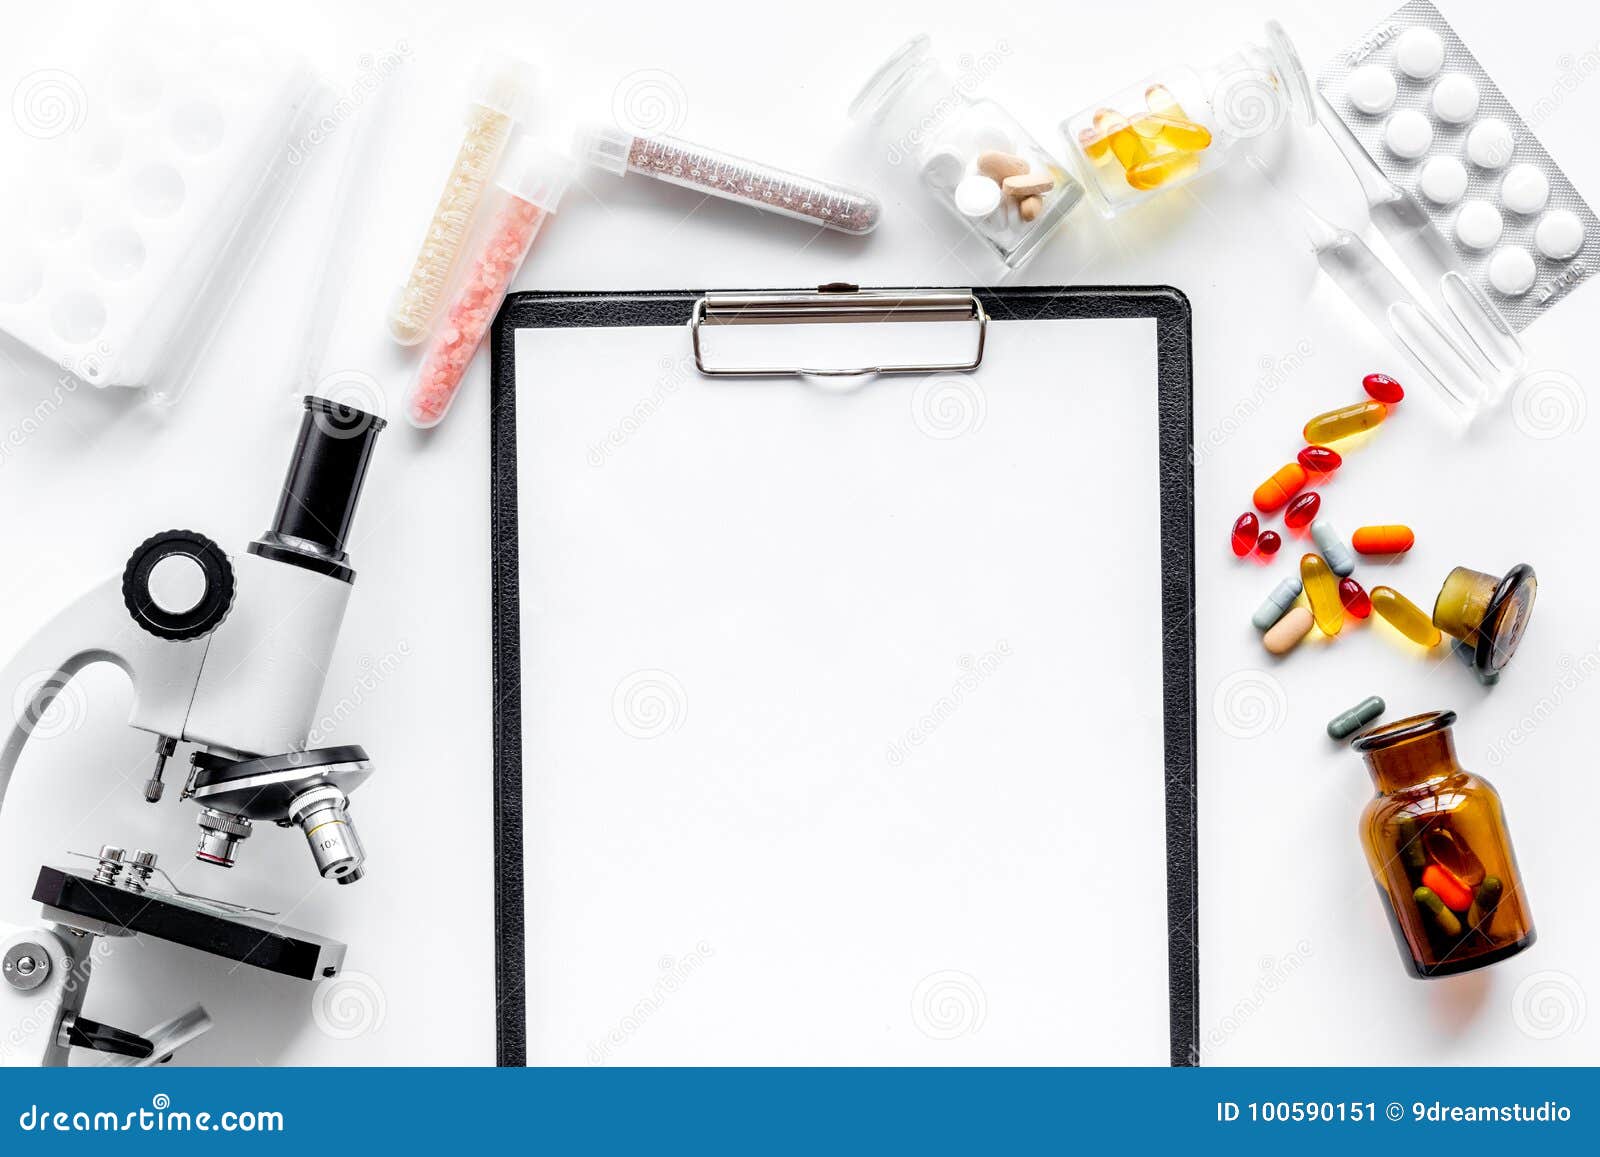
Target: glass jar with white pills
973, 156
1183, 121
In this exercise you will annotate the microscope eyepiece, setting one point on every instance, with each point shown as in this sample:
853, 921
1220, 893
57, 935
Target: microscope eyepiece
321, 488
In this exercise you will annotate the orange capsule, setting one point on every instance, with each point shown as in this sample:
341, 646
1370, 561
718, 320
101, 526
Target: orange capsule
1382, 539
1281, 487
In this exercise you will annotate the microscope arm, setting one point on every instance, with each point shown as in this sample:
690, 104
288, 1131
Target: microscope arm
97, 628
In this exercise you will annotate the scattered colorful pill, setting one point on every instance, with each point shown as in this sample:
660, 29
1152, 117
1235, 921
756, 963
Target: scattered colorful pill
1320, 459
1287, 632
1302, 510
1383, 388
1456, 895
1404, 616
1355, 600
1277, 603
1245, 529
1347, 723
1282, 486
1322, 592
1332, 548
1268, 543
1393, 539
1344, 422
1430, 903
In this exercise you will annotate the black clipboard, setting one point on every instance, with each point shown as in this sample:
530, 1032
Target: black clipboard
1175, 406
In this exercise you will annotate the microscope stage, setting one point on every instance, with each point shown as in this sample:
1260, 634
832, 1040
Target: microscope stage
249, 939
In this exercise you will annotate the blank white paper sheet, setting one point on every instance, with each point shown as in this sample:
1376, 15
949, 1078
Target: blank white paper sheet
841, 706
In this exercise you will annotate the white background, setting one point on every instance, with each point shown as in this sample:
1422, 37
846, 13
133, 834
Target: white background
1297, 964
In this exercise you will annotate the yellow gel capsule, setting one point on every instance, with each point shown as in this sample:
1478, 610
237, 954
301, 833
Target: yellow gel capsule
1159, 99
1095, 142
1124, 143
1405, 616
1180, 134
1322, 592
1158, 170
1342, 423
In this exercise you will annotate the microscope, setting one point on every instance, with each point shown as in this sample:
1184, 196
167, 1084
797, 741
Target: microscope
227, 653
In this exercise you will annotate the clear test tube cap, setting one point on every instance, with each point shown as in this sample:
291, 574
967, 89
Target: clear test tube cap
604, 147
535, 173
506, 85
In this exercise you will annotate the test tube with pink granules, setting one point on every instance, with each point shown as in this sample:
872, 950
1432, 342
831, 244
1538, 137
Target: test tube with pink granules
526, 191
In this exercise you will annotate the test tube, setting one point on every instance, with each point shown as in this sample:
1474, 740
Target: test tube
502, 95
734, 178
526, 192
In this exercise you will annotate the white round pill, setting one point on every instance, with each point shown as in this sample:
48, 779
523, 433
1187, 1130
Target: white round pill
1408, 134
1419, 52
1490, 143
1478, 225
1559, 235
1443, 180
944, 169
977, 195
1525, 189
1371, 89
1455, 98
1511, 270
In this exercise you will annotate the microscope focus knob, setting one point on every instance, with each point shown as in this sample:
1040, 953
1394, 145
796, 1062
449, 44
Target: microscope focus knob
178, 585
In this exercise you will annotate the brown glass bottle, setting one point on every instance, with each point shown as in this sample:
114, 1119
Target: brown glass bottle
1437, 843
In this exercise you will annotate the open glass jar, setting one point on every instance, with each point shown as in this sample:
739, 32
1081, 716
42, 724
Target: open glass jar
1184, 121
1437, 843
973, 156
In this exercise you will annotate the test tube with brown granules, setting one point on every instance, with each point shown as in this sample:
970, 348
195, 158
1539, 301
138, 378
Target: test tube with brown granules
724, 175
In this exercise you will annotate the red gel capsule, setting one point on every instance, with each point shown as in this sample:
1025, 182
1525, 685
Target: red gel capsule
1355, 599
1244, 533
1383, 388
1269, 542
1302, 510
1320, 459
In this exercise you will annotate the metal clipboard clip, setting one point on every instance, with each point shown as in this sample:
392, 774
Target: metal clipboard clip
837, 303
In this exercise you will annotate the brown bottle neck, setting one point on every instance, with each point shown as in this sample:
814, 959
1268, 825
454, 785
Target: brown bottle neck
1413, 761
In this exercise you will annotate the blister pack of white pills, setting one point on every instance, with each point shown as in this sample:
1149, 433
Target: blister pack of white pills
1434, 123
151, 165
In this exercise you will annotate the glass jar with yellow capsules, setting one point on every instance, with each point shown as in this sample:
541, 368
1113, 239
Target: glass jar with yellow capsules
1184, 121
1436, 840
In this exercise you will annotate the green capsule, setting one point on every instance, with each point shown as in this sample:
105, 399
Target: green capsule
1431, 904
1347, 723
1410, 842
1484, 903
